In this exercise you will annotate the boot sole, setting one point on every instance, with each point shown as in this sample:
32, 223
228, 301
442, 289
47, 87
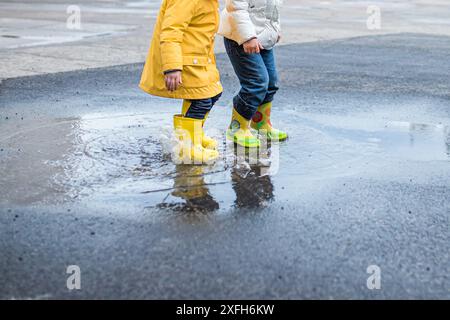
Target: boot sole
238, 144
277, 140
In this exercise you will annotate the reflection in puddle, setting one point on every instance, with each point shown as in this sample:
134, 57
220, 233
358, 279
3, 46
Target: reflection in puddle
253, 187
251, 184
30, 160
423, 142
396, 139
190, 186
111, 160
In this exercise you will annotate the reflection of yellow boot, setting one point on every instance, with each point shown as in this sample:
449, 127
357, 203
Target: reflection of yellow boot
261, 122
239, 131
207, 142
190, 133
189, 184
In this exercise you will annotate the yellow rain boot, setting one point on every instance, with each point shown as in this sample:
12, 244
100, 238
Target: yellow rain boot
239, 132
261, 122
207, 142
189, 131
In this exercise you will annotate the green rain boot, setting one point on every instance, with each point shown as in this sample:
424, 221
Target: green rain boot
207, 142
239, 132
261, 122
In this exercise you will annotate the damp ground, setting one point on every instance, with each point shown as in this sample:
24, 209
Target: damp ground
363, 179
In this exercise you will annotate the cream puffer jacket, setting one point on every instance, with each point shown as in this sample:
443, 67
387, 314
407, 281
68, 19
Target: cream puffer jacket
242, 20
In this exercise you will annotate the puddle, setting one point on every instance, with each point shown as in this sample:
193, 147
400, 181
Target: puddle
421, 142
110, 160
395, 139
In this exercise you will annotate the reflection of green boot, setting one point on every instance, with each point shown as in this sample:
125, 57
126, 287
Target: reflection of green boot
239, 132
261, 122
207, 142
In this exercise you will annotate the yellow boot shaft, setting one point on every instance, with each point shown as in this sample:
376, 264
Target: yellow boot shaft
190, 134
261, 122
207, 141
239, 131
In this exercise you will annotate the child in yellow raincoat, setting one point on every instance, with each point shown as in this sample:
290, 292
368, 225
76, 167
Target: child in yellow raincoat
181, 65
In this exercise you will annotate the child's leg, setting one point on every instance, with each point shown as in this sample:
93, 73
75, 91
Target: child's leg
199, 108
269, 61
253, 77
261, 121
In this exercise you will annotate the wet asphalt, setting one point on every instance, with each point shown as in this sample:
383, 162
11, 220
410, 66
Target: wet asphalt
363, 180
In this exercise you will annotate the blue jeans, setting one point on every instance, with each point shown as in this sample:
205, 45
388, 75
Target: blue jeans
257, 74
200, 107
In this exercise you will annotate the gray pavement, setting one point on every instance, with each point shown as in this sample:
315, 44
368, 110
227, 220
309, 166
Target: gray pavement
363, 180
38, 37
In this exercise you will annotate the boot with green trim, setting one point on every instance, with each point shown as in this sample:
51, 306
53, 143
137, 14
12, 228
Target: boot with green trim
207, 142
261, 122
239, 132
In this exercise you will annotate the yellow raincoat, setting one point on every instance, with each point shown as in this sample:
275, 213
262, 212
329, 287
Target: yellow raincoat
183, 39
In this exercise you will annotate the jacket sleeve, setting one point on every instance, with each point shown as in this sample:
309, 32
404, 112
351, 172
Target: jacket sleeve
239, 20
176, 19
